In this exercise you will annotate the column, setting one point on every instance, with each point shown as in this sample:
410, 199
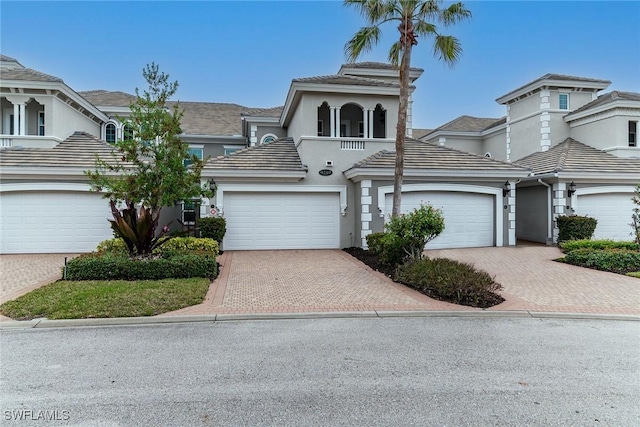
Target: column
23, 119
16, 119
371, 123
365, 211
559, 202
511, 215
332, 119
365, 123
338, 122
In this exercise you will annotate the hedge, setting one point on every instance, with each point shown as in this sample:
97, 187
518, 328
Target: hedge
575, 227
615, 260
175, 244
213, 228
111, 266
572, 245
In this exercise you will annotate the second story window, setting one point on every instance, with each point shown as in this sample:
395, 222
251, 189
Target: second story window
193, 150
563, 101
41, 123
110, 133
633, 134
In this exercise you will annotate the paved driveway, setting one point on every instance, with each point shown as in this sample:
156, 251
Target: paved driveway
533, 281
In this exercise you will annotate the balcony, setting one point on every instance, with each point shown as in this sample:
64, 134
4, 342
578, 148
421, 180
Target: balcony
28, 141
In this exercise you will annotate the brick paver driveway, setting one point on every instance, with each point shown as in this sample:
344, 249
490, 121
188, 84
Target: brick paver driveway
533, 281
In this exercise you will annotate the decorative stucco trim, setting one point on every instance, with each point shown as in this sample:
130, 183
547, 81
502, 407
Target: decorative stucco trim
251, 188
497, 192
365, 204
627, 112
45, 186
600, 190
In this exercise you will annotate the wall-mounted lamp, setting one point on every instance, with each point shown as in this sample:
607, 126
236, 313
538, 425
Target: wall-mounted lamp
212, 184
506, 189
572, 189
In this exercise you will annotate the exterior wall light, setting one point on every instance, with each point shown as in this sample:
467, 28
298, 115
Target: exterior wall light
572, 189
506, 189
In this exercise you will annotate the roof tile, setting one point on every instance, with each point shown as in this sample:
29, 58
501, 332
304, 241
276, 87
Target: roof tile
278, 155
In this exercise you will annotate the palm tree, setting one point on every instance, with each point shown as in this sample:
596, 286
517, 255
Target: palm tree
415, 18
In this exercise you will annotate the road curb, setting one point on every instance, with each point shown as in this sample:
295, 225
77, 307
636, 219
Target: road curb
157, 320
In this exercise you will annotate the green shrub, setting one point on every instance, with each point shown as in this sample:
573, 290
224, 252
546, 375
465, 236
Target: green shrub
614, 260
173, 245
448, 279
572, 245
575, 227
110, 266
213, 228
415, 229
375, 242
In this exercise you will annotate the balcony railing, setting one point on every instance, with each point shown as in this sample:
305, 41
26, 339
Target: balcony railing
28, 141
6, 142
352, 144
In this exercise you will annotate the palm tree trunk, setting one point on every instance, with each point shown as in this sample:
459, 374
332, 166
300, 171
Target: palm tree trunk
401, 127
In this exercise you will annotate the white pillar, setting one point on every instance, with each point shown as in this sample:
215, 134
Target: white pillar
365, 123
371, 123
23, 119
332, 119
338, 122
365, 211
16, 119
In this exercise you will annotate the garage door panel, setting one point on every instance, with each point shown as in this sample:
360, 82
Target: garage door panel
469, 217
53, 221
613, 212
281, 220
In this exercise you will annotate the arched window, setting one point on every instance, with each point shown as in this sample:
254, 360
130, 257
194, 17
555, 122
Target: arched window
268, 138
127, 132
110, 133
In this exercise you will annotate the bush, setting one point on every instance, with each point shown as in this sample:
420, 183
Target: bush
375, 242
415, 229
615, 260
175, 244
572, 245
213, 228
575, 227
111, 266
387, 247
450, 280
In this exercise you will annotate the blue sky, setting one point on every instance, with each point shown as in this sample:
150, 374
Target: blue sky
247, 52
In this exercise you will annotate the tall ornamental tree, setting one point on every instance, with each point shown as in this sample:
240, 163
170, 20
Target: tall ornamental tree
415, 18
147, 166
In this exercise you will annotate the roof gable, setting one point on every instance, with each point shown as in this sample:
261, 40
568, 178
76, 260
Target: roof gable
278, 155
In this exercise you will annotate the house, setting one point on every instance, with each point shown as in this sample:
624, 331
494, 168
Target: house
581, 147
314, 173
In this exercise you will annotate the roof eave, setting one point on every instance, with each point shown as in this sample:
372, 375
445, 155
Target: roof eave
564, 83
620, 103
436, 173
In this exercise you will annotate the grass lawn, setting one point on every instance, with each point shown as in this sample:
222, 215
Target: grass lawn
635, 274
118, 298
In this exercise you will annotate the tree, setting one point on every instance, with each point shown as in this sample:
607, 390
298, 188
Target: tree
148, 166
414, 18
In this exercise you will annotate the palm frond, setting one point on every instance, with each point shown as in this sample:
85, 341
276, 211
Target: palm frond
454, 14
362, 41
371, 10
394, 53
423, 28
447, 49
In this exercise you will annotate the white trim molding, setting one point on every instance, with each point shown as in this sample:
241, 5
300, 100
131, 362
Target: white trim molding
45, 186
250, 188
497, 192
600, 190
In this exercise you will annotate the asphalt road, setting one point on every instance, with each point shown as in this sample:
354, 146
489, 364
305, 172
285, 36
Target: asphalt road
326, 372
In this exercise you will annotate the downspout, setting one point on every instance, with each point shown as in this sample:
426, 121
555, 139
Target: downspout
549, 210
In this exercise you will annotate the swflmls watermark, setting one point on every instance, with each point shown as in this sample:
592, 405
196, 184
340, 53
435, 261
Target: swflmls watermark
36, 415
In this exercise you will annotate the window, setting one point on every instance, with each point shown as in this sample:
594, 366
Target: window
228, 149
633, 134
110, 133
41, 123
320, 128
190, 212
361, 129
268, 138
193, 150
127, 132
563, 101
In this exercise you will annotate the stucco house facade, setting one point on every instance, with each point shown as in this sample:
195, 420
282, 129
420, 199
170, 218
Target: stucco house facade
316, 172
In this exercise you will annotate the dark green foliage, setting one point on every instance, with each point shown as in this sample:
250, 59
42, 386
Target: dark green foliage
374, 242
213, 227
575, 227
615, 261
572, 245
635, 216
415, 229
118, 267
450, 280
387, 247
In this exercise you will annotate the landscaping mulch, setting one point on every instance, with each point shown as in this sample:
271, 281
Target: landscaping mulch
485, 300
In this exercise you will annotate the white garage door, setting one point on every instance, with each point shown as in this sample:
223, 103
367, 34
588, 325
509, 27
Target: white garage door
613, 212
282, 221
53, 222
468, 217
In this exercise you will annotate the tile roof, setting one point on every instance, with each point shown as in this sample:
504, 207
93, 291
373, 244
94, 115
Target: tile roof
418, 133
471, 124
7, 58
278, 155
346, 80
554, 77
200, 118
376, 65
27, 74
608, 98
573, 156
77, 151
428, 156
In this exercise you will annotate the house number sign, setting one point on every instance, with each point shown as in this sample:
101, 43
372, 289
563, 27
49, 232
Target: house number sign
325, 172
